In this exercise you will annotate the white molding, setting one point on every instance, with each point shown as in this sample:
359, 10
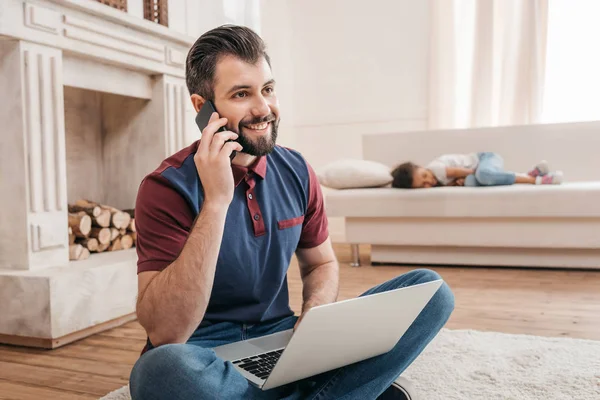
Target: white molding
486, 256
42, 18
175, 98
33, 134
83, 74
110, 14
45, 238
44, 129
174, 57
118, 36
87, 29
91, 35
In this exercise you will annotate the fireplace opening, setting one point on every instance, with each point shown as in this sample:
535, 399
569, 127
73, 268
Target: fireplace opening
108, 154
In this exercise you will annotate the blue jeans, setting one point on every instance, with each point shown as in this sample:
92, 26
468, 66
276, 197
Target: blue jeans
193, 371
490, 172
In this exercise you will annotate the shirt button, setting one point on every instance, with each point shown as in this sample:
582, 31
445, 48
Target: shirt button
250, 196
256, 217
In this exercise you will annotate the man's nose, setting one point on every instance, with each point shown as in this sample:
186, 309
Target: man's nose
260, 107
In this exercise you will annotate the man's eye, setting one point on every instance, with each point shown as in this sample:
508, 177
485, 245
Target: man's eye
240, 95
269, 90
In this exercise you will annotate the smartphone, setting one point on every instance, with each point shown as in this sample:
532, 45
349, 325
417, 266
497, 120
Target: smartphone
203, 117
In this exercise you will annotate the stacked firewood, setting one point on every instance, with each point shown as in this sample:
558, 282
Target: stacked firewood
94, 228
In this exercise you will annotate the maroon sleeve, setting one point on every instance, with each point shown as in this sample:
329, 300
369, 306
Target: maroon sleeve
314, 228
163, 220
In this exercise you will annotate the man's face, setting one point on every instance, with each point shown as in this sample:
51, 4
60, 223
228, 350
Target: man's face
245, 94
423, 178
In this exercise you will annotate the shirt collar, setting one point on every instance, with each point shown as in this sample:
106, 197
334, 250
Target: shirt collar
259, 167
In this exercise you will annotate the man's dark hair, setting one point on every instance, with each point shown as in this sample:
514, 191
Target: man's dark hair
403, 175
202, 59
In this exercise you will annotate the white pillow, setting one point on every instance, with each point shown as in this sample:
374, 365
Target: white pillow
351, 173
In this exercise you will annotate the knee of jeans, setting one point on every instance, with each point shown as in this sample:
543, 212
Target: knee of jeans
422, 275
471, 181
484, 177
163, 366
443, 302
444, 298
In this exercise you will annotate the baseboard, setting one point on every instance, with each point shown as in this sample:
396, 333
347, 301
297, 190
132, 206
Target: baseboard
53, 343
486, 256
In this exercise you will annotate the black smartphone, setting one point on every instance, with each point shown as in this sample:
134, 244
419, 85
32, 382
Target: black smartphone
203, 116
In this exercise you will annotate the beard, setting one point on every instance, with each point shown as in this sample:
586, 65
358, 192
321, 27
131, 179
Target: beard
262, 145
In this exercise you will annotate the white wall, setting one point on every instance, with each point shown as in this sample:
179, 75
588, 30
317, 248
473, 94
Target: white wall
277, 33
347, 68
359, 68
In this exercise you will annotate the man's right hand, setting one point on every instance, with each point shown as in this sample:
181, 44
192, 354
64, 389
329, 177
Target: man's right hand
213, 162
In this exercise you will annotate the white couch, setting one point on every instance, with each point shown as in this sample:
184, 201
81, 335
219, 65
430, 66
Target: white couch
519, 225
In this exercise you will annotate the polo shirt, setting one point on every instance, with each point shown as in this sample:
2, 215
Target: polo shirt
277, 207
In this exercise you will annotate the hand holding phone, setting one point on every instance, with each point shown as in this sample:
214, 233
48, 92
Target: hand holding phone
203, 118
213, 163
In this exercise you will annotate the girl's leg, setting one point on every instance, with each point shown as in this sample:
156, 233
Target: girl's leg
490, 171
525, 179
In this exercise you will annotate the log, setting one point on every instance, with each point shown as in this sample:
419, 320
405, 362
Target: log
120, 220
114, 233
134, 237
75, 251
103, 219
91, 210
130, 211
115, 245
78, 252
71, 236
102, 234
80, 224
85, 254
132, 225
91, 244
126, 242
122, 231
102, 247
84, 203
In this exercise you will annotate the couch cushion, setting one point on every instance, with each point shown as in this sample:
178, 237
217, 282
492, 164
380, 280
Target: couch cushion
349, 174
579, 199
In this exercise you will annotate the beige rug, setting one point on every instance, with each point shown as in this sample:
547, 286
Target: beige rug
461, 364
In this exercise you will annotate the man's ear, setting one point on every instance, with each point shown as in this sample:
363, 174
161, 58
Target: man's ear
197, 101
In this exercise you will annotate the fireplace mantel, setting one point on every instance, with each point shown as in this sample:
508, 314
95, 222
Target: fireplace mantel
45, 46
91, 30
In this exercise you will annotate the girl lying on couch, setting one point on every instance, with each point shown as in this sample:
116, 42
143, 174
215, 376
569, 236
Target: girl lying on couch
475, 169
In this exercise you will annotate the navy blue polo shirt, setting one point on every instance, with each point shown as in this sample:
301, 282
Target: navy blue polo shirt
277, 207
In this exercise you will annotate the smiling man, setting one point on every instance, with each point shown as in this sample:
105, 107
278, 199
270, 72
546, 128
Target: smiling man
215, 239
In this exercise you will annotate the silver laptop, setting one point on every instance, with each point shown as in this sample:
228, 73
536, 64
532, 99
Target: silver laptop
330, 336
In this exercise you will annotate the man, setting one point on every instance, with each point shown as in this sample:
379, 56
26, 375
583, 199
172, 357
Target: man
215, 239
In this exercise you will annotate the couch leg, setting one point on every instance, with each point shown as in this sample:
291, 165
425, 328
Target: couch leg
355, 261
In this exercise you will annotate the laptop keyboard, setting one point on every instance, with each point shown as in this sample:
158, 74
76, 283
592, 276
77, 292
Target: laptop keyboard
259, 365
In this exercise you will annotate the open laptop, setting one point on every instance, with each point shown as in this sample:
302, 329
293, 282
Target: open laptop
330, 336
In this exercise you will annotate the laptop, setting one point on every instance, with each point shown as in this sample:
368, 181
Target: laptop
330, 336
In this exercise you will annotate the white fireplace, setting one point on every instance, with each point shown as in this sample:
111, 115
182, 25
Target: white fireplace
92, 100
